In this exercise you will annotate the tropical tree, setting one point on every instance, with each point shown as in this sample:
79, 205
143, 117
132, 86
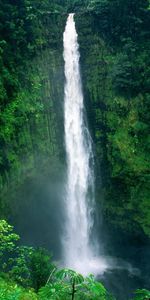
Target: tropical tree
69, 285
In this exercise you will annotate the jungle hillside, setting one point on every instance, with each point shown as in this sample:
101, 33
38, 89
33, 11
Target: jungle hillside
114, 46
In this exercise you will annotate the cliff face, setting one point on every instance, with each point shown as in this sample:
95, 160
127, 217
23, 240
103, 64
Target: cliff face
116, 93
115, 83
31, 135
32, 81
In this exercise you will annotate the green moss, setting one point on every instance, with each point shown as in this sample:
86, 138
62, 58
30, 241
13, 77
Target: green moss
115, 87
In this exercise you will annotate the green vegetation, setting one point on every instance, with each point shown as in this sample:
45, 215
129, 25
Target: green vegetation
115, 68
70, 285
29, 93
142, 294
10, 290
114, 44
28, 266
26, 269
27, 273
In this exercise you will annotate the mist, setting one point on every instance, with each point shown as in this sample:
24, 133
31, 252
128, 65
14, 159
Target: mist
37, 212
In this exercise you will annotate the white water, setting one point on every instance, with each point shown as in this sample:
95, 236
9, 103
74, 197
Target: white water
78, 252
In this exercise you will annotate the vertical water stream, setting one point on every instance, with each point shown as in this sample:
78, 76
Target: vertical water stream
78, 251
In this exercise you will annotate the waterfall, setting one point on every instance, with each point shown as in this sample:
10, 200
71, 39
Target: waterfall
79, 202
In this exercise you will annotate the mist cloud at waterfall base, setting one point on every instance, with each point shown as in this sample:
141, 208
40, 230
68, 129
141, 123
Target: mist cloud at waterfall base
37, 210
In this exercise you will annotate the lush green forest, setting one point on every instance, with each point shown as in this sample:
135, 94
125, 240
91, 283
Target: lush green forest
114, 40
28, 273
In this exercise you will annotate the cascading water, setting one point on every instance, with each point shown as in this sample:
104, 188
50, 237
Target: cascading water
78, 251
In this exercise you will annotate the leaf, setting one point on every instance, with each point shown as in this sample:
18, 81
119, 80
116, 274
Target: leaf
70, 275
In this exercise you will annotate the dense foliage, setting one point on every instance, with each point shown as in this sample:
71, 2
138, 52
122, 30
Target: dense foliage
116, 74
117, 87
29, 93
32, 268
29, 274
115, 62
